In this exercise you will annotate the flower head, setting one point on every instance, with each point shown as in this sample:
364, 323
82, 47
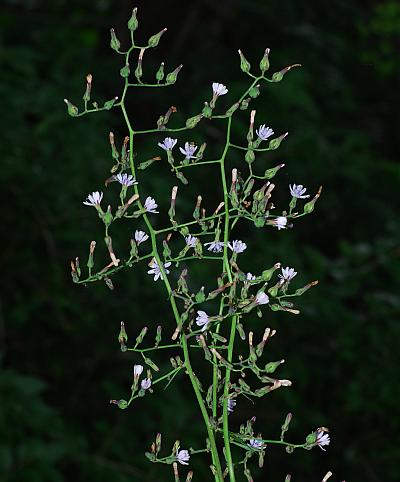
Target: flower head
146, 383
183, 457
215, 246
94, 199
298, 190
287, 274
219, 89
168, 143
137, 370
189, 150
156, 270
237, 246
256, 444
280, 222
141, 237
191, 240
125, 179
231, 404
250, 277
322, 438
264, 132
262, 298
150, 205
202, 319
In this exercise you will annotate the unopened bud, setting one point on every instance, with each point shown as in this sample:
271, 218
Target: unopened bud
264, 63
244, 63
155, 39
72, 109
133, 22
115, 44
172, 76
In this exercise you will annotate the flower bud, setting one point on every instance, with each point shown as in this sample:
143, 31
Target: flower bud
72, 109
155, 39
172, 76
254, 91
244, 63
193, 121
122, 337
275, 143
133, 22
200, 296
270, 173
160, 72
207, 111
125, 71
115, 44
264, 63
272, 366
151, 364
232, 109
122, 404
108, 104
250, 156
266, 275
278, 76
309, 207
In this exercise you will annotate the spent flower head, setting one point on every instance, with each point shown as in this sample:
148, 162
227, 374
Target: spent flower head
298, 190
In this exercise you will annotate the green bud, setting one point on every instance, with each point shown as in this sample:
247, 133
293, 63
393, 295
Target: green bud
254, 91
122, 404
250, 156
109, 103
207, 111
270, 173
200, 152
278, 76
181, 177
275, 307
172, 76
200, 296
160, 72
259, 222
122, 337
133, 22
72, 109
273, 291
264, 63
244, 64
300, 291
145, 164
311, 438
193, 121
138, 71
275, 143
155, 39
141, 336
184, 231
240, 330
272, 366
245, 104
109, 283
309, 207
115, 44
151, 364
125, 71
166, 249
249, 188
158, 335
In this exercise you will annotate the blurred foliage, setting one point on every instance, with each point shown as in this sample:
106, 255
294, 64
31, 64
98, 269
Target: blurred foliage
61, 361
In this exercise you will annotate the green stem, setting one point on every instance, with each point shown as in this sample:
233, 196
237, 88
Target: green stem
192, 377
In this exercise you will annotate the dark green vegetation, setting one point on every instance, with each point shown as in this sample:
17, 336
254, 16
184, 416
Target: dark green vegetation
60, 357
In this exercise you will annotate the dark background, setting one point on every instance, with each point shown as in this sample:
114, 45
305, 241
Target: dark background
60, 359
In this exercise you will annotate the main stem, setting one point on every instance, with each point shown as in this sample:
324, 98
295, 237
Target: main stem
192, 377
